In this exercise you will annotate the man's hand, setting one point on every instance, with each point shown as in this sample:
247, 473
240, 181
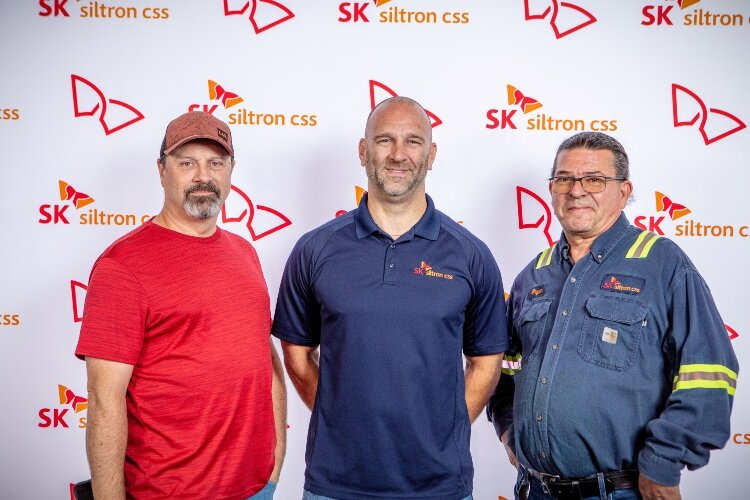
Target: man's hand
654, 491
511, 456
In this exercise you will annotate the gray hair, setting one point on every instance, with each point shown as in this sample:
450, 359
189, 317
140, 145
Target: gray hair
597, 141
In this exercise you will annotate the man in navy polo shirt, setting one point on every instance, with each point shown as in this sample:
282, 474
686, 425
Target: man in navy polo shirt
392, 293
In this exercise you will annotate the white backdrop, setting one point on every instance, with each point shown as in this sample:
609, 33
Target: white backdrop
86, 92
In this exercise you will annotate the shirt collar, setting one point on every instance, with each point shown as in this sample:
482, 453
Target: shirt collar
427, 227
603, 244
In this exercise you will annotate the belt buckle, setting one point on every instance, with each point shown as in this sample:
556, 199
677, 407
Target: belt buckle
548, 478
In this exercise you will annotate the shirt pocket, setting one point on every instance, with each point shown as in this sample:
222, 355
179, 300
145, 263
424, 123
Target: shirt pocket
531, 324
612, 331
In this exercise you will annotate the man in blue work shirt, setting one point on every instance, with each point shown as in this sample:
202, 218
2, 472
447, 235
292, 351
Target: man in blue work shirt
393, 293
622, 370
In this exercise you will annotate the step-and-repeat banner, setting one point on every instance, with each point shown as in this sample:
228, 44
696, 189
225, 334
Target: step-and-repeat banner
87, 88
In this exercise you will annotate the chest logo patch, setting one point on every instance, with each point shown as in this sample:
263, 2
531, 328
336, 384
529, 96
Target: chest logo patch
609, 335
537, 291
622, 283
425, 269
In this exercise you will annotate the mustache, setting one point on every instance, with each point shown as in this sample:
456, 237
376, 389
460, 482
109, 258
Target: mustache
205, 186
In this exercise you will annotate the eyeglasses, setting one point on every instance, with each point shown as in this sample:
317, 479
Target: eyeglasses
590, 183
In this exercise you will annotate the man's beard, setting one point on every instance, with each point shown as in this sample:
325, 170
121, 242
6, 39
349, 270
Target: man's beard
376, 173
204, 206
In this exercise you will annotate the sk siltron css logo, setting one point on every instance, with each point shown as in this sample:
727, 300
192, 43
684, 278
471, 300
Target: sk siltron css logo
353, 12
260, 221
384, 92
662, 14
542, 215
89, 100
9, 319
689, 110
218, 95
425, 269
9, 114
263, 14
565, 18
504, 117
56, 417
685, 227
55, 213
98, 10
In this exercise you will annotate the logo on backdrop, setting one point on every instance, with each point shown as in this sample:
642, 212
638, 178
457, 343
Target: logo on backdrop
7, 114
78, 298
665, 14
565, 18
689, 110
57, 213
10, 319
519, 109
259, 220
70, 406
263, 14
96, 10
671, 219
359, 192
380, 92
219, 96
731, 332
89, 100
538, 214
360, 12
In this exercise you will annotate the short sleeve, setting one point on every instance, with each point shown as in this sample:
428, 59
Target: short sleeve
297, 318
485, 330
114, 314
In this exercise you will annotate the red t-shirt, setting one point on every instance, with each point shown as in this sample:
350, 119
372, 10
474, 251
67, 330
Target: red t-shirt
193, 317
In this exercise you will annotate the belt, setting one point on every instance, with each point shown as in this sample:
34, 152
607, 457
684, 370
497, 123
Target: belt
573, 489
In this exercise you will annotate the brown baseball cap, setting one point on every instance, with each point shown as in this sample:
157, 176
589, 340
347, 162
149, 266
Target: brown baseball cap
196, 125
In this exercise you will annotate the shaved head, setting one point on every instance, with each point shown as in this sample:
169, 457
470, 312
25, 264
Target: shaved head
397, 100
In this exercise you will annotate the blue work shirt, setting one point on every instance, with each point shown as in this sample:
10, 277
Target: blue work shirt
624, 361
392, 319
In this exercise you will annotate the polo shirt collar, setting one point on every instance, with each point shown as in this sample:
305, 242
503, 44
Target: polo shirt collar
603, 244
427, 227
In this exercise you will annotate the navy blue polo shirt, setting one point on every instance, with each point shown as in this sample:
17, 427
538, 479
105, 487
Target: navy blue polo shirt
392, 319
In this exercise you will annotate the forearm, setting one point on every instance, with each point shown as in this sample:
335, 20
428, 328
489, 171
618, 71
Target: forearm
480, 378
106, 439
302, 366
278, 393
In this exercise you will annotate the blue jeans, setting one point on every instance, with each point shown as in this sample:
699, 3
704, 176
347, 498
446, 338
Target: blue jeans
306, 495
536, 491
266, 493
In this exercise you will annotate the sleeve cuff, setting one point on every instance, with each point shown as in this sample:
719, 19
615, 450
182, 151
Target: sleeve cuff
657, 469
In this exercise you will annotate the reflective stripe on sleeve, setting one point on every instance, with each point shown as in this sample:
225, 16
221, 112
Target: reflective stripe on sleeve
702, 376
546, 257
642, 245
511, 364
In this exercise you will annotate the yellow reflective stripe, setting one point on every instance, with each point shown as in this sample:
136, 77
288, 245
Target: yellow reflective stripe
648, 246
637, 243
705, 376
708, 368
514, 357
705, 384
546, 257
642, 245
511, 364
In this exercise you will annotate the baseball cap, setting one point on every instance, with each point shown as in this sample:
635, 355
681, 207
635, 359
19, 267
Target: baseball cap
196, 125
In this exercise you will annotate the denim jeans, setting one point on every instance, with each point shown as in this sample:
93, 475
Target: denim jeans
306, 495
266, 493
536, 491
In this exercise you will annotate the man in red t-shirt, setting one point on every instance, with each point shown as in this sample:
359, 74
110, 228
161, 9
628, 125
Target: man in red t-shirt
186, 391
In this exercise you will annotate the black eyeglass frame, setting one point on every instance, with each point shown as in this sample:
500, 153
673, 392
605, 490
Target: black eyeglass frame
580, 179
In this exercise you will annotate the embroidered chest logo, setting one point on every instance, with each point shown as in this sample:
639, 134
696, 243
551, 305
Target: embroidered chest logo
425, 269
537, 291
620, 283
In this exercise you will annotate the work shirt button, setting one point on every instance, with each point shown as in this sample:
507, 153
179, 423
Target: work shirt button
599, 256
538, 418
393, 246
544, 380
543, 454
573, 279
390, 265
554, 347
565, 312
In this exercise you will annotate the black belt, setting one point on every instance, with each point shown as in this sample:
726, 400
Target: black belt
574, 489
